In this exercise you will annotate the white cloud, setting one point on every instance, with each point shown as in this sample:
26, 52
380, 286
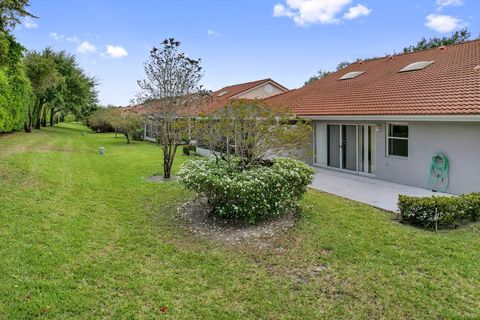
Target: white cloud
306, 12
213, 33
443, 23
73, 39
30, 24
279, 10
60, 37
356, 12
446, 3
115, 52
86, 47
56, 36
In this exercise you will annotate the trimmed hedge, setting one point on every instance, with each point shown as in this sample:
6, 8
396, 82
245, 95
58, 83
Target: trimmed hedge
249, 195
15, 87
439, 212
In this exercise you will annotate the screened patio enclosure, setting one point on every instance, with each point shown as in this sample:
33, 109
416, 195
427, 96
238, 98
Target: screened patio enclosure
348, 147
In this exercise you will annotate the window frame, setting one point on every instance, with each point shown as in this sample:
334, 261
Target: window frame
388, 137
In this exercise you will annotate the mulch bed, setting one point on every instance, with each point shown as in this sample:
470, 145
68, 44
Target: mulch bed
196, 216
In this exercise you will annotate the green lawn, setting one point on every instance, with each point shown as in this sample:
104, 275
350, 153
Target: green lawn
84, 236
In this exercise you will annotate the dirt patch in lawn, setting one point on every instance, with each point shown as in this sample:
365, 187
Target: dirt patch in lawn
160, 178
196, 216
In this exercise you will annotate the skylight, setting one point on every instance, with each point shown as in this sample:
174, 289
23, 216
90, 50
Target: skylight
222, 93
351, 75
417, 66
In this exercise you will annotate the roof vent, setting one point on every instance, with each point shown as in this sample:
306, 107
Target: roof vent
442, 48
222, 93
417, 66
477, 68
351, 75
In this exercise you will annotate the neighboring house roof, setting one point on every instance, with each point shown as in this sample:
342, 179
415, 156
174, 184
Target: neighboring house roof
220, 98
448, 86
137, 109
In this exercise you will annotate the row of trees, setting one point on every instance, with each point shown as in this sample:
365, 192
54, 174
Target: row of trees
38, 87
60, 86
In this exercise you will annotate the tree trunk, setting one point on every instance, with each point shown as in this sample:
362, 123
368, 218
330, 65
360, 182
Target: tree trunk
128, 138
44, 117
169, 153
52, 113
38, 116
28, 123
166, 166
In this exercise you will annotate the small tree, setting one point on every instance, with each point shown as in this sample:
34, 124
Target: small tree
127, 123
171, 89
100, 120
254, 132
115, 119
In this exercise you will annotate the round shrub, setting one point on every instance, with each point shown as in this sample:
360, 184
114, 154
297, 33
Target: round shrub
251, 195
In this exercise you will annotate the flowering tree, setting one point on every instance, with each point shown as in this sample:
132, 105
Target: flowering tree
171, 90
254, 132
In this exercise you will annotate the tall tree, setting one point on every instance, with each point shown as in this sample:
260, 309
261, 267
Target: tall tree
59, 85
76, 93
320, 74
171, 87
323, 73
46, 81
459, 36
11, 11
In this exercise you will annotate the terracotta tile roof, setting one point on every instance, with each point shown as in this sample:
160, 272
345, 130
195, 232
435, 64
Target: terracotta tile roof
217, 100
137, 109
449, 86
220, 98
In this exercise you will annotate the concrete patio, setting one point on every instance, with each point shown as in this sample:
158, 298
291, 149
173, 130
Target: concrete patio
377, 193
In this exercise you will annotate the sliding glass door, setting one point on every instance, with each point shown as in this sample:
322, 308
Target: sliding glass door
345, 146
366, 148
348, 148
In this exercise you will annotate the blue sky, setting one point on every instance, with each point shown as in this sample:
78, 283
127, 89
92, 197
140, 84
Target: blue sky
238, 41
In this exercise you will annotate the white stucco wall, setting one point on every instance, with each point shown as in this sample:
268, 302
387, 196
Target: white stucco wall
262, 92
460, 141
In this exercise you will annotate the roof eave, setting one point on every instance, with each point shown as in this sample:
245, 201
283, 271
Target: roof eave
427, 118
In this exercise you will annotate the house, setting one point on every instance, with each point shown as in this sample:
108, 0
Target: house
388, 117
259, 89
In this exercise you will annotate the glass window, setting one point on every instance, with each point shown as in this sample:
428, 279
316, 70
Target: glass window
397, 140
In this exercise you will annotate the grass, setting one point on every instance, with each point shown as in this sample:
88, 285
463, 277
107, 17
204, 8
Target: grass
84, 236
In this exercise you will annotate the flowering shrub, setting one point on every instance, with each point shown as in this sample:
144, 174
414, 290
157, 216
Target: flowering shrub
439, 212
253, 194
